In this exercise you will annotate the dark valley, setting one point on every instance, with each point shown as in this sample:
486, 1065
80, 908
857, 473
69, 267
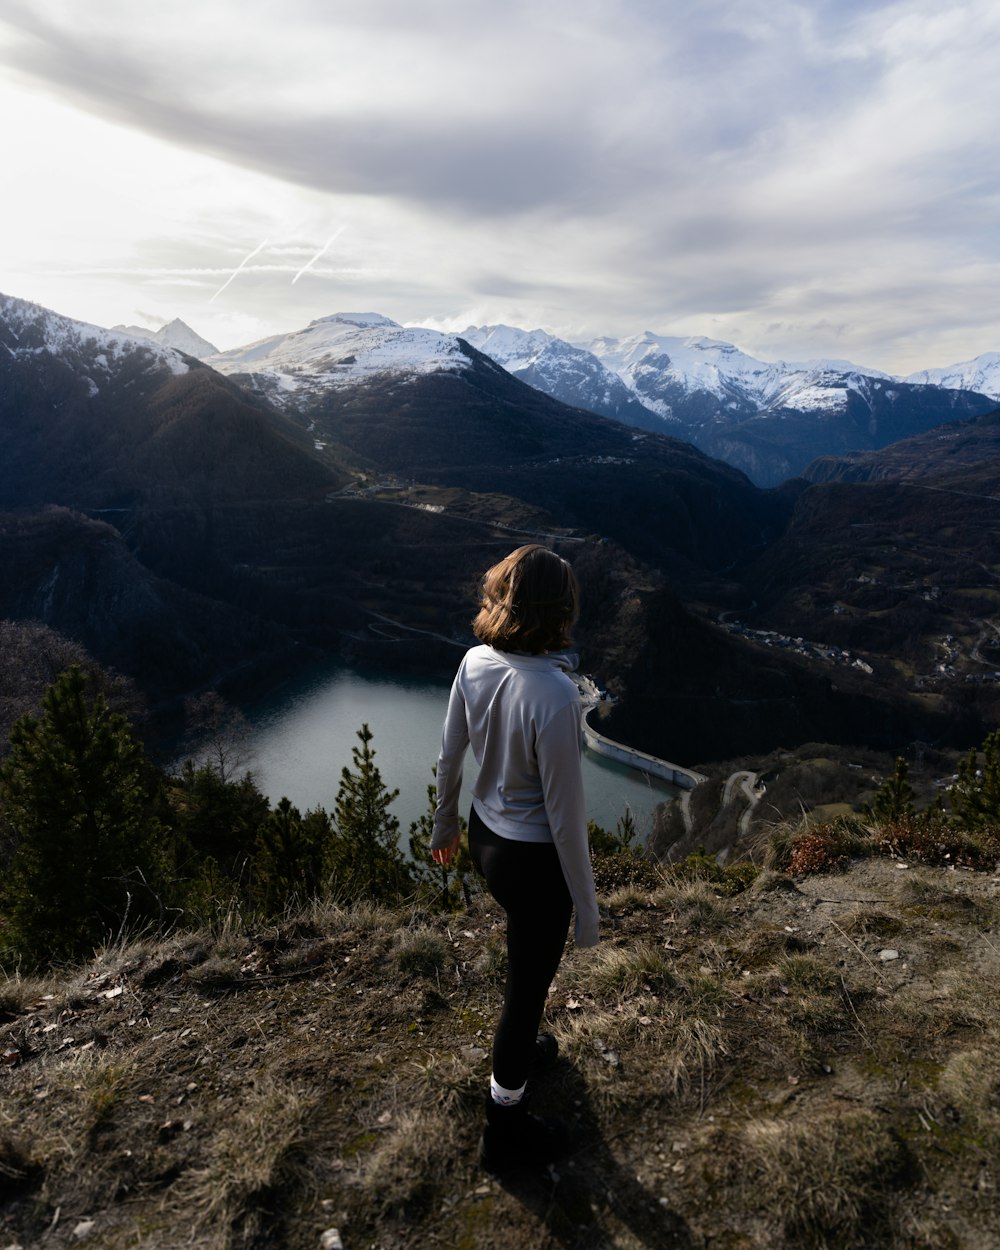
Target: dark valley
339, 492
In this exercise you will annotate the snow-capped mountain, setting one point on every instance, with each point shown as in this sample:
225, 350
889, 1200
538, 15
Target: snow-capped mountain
664, 372
563, 370
981, 374
97, 355
175, 334
769, 419
683, 381
343, 350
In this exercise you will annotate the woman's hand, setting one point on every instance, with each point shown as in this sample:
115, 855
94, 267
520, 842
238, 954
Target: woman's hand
443, 854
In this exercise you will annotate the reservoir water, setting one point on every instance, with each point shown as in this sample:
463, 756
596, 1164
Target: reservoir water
303, 737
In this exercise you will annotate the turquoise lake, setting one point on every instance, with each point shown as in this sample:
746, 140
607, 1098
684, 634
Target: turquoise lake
303, 736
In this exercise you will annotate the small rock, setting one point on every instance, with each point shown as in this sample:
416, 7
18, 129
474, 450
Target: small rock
83, 1229
605, 1051
331, 1240
887, 956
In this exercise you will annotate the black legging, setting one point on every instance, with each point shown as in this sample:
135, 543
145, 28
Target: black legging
526, 879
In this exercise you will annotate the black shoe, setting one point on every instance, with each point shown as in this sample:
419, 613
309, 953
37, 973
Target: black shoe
514, 1138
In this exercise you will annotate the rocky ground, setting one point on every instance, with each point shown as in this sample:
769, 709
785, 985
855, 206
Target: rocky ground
807, 1063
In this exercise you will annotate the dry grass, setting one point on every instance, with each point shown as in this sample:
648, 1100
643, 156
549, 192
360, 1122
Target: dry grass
258, 1158
625, 971
741, 1071
420, 952
402, 1177
828, 1182
697, 906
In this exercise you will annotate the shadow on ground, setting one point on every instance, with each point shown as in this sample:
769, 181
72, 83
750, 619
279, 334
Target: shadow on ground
588, 1200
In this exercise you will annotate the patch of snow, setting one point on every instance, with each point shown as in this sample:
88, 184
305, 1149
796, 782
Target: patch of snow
176, 334
570, 372
78, 341
981, 374
343, 350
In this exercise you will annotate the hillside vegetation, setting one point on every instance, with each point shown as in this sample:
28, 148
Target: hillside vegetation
758, 1054
806, 1062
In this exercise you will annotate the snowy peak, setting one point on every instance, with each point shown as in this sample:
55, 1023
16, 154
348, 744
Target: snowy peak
563, 370
343, 350
697, 363
662, 369
176, 334
981, 374
361, 321
30, 329
769, 419
511, 348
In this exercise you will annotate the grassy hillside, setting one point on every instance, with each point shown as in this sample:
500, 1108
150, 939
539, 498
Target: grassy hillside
811, 1062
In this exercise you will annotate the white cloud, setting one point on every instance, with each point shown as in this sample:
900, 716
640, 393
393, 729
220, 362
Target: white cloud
804, 178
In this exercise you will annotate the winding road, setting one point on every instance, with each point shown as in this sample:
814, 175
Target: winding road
741, 782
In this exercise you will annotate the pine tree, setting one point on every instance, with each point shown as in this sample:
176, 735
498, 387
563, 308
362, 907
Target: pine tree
894, 800
451, 882
975, 796
77, 793
368, 860
292, 851
218, 817
623, 841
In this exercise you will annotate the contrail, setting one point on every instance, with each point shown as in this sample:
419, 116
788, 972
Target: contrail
309, 264
245, 261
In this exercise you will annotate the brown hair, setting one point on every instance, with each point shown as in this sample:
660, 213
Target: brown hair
530, 601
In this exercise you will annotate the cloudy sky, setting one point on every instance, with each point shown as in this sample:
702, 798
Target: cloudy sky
800, 177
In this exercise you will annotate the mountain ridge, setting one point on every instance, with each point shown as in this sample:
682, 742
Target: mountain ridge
176, 334
769, 419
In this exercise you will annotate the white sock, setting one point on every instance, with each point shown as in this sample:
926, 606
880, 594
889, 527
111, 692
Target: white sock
506, 1097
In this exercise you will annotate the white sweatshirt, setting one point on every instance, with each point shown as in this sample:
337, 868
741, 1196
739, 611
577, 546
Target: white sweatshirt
521, 713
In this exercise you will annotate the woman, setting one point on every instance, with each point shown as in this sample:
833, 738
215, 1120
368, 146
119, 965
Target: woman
514, 702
